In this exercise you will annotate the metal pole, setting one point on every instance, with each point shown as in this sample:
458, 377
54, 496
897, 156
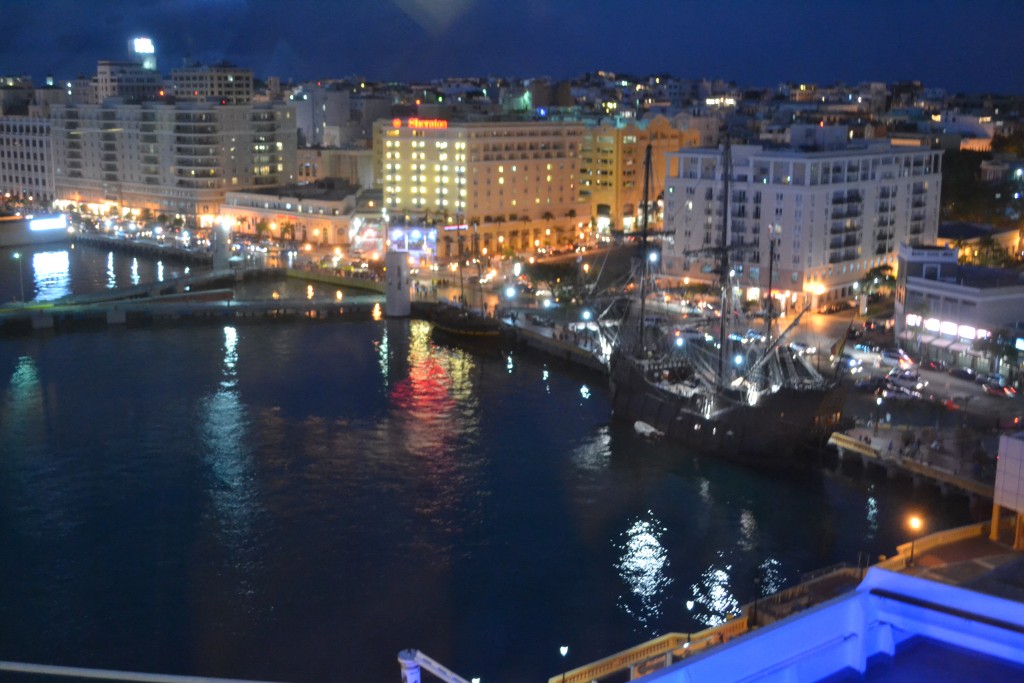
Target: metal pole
21, 276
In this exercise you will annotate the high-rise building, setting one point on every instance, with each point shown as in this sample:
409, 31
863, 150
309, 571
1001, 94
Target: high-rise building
612, 167
26, 168
173, 159
834, 214
512, 185
221, 83
128, 81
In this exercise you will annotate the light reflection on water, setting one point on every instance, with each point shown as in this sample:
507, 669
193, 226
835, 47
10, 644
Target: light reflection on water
643, 567
225, 430
52, 272
713, 596
264, 492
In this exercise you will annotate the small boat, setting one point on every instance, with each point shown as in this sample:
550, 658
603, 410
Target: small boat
459, 322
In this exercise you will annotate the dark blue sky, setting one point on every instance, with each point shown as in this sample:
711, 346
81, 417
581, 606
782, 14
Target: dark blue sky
960, 45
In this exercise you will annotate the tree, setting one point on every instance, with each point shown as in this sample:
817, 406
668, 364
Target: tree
262, 229
876, 279
548, 216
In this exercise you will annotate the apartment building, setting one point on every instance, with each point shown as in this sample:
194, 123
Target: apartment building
612, 168
221, 83
833, 213
507, 185
173, 159
26, 167
131, 82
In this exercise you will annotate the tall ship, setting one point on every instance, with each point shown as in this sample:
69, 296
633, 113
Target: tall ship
747, 397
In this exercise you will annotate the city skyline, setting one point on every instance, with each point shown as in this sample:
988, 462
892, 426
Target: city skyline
959, 47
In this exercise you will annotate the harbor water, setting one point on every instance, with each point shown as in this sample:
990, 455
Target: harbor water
301, 501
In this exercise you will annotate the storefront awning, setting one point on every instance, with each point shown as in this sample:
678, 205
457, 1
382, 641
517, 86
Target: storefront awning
942, 343
959, 348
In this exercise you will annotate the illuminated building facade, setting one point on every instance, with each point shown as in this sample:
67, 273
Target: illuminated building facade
612, 168
833, 213
172, 159
942, 307
502, 185
319, 215
26, 164
222, 83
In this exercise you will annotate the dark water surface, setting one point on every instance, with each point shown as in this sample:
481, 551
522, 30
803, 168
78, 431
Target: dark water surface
301, 501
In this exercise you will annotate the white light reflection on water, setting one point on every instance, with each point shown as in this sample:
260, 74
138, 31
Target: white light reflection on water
596, 454
382, 356
748, 530
713, 598
225, 430
22, 407
51, 274
872, 517
111, 275
159, 271
135, 272
770, 573
509, 364
642, 568
705, 492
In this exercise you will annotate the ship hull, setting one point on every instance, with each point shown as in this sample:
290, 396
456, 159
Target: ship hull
782, 432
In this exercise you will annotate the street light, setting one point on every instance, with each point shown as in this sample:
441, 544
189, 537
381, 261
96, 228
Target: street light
878, 412
21, 276
564, 650
915, 523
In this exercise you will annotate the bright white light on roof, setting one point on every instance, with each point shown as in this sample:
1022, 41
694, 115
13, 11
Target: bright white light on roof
143, 46
41, 224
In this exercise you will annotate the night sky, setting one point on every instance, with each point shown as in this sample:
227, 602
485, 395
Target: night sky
959, 45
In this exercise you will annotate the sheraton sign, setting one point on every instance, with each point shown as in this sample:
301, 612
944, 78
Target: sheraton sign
423, 124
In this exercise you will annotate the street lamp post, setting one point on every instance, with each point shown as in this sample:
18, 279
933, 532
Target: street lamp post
757, 593
915, 525
21, 275
564, 650
878, 412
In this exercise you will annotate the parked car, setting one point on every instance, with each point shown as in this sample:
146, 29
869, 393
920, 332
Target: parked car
999, 390
991, 378
932, 364
906, 379
849, 365
871, 384
962, 373
797, 347
895, 358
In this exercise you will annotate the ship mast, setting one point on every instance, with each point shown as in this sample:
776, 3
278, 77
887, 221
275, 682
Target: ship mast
724, 263
771, 274
643, 248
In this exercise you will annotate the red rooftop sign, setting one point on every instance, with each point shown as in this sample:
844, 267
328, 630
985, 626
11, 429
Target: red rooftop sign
429, 124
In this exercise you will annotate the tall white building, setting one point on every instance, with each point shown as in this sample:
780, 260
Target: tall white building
834, 215
26, 167
173, 159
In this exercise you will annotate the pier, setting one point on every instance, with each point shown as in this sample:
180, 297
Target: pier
899, 452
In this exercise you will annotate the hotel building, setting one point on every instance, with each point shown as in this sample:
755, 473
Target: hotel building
172, 159
504, 185
612, 168
833, 213
26, 167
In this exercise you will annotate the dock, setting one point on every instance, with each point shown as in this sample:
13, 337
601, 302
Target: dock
899, 452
